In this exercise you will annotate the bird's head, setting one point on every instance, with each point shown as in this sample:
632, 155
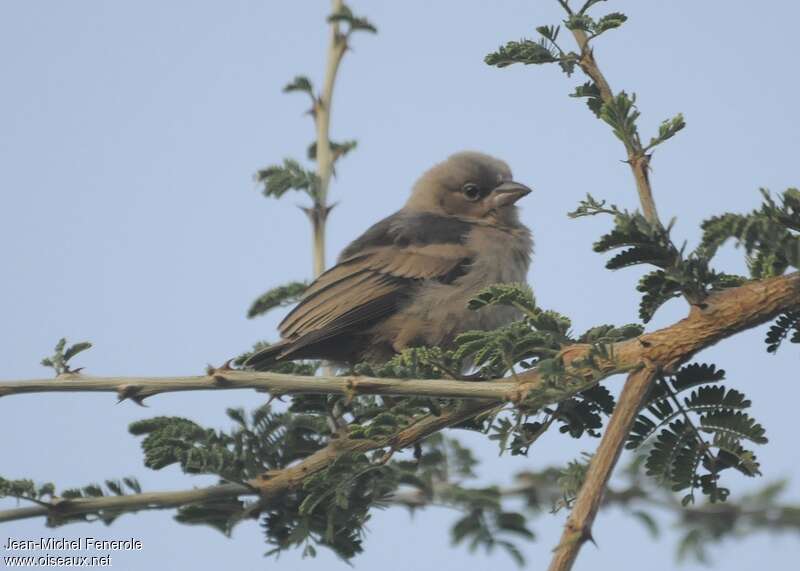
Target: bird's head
472, 186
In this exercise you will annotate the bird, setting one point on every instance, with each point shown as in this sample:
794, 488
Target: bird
407, 280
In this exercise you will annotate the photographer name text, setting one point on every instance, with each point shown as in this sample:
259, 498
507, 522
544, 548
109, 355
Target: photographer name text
73, 544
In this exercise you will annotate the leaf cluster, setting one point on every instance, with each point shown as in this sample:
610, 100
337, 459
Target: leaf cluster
59, 360
281, 296
45, 494
698, 429
769, 235
279, 179
785, 324
264, 441
530, 52
354, 23
644, 242
536, 340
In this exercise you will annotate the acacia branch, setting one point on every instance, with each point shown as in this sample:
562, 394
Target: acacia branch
725, 314
638, 159
276, 384
578, 528
318, 214
63, 507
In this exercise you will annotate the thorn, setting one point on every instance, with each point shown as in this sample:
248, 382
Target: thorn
131, 392
226, 366
587, 536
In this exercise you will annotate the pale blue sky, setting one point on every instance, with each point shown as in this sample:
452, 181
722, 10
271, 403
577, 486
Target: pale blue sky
129, 134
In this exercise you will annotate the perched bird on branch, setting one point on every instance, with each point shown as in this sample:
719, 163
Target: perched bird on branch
406, 281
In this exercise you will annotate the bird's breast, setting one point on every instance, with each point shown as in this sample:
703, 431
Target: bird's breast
502, 256
439, 311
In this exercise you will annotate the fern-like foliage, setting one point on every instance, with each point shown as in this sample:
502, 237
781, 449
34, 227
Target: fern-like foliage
354, 23
786, 324
696, 435
23, 489
277, 180
264, 441
280, 296
337, 149
643, 242
768, 235
59, 360
536, 340
540, 334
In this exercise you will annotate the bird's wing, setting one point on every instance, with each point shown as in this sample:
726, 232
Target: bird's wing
376, 273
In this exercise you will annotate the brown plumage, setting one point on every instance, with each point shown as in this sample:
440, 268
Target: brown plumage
406, 281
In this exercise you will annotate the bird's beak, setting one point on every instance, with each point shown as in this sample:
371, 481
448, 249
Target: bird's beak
508, 193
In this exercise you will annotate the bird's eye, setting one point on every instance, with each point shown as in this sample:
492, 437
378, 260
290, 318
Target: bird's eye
471, 191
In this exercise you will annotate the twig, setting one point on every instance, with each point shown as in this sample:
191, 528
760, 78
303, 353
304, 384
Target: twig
726, 312
128, 503
638, 160
579, 525
318, 214
140, 388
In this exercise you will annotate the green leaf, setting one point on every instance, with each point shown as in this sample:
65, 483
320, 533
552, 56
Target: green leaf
580, 22
550, 33
667, 130
648, 521
738, 424
780, 329
337, 149
59, 360
647, 254
281, 296
526, 52
621, 114
75, 349
279, 179
219, 514
300, 83
345, 15
590, 91
609, 22
658, 288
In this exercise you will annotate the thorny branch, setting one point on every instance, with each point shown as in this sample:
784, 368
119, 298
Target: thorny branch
318, 214
725, 314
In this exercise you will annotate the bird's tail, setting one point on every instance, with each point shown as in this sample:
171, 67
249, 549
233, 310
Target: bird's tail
263, 359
